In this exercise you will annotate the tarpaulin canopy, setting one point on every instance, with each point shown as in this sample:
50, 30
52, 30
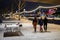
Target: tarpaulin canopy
46, 1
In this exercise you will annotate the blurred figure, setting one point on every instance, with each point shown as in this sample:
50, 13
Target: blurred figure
34, 24
45, 23
41, 24
0, 19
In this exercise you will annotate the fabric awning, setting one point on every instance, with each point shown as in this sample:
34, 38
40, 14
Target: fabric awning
46, 1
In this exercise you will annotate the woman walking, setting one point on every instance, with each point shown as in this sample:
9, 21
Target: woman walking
35, 24
45, 23
41, 24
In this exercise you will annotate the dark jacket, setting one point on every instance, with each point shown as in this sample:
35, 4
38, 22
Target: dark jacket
40, 22
45, 21
34, 21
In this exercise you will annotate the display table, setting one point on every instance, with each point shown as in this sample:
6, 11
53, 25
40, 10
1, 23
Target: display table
12, 31
11, 27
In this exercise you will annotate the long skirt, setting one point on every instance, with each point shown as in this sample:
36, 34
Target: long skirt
34, 25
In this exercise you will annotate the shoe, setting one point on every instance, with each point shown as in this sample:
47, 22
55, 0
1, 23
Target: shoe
41, 30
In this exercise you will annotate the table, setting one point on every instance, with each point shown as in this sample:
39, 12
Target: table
12, 26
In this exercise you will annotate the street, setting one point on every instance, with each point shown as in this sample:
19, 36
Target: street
29, 34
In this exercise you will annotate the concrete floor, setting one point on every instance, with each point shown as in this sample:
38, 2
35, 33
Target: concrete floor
29, 34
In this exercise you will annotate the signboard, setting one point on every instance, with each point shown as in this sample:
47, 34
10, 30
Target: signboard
51, 11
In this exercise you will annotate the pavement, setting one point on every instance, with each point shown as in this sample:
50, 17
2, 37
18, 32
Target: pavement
29, 34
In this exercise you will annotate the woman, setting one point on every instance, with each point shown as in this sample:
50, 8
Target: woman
35, 24
41, 24
45, 23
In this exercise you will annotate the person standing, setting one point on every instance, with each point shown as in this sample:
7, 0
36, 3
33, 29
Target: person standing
0, 19
35, 24
41, 24
45, 23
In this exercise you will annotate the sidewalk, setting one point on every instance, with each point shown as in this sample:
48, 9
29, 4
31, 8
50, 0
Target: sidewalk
27, 30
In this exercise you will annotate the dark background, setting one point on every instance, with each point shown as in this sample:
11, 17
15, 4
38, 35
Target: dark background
8, 5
